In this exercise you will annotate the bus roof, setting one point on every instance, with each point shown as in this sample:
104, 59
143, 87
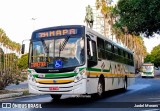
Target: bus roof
148, 64
110, 41
66, 30
82, 26
58, 27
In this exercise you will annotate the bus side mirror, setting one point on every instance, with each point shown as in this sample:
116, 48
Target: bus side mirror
23, 49
91, 48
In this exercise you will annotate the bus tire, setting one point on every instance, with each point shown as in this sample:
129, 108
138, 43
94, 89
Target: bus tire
125, 84
100, 88
56, 96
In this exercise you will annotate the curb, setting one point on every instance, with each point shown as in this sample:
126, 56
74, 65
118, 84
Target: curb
16, 97
9, 95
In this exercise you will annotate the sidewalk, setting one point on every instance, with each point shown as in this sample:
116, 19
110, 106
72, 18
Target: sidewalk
14, 90
21, 85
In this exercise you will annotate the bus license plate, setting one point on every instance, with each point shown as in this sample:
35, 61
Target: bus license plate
54, 88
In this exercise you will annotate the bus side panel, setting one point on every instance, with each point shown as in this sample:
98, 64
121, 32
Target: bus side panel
114, 83
92, 85
108, 84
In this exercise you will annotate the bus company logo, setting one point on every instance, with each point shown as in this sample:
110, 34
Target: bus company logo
41, 75
53, 70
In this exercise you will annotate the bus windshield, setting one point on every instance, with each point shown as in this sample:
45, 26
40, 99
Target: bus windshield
147, 68
55, 53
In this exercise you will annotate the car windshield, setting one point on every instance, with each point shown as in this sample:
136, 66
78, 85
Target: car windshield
57, 53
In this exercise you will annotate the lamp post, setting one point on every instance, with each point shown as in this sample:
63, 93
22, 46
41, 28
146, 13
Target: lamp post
33, 19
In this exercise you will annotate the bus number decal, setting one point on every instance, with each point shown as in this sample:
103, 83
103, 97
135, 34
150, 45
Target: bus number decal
56, 33
38, 64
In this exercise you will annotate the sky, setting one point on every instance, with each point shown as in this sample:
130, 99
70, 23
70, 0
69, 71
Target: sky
151, 42
16, 16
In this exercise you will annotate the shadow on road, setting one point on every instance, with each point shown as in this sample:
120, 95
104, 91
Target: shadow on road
83, 102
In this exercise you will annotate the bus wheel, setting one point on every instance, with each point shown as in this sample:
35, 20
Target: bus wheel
125, 84
100, 88
56, 96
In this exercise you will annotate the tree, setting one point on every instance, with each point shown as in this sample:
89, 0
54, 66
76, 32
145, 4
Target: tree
8, 60
139, 16
155, 53
154, 57
106, 11
122, 35
23, 62
148, 58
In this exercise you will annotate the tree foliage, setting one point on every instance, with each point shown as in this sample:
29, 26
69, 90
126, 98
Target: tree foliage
23, 62
132, 41
154, 57
9, 72
139, 16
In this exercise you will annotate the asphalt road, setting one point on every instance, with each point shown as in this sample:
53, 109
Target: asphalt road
144, 91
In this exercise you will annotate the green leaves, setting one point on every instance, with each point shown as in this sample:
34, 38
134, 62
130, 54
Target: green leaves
154, 57
23, 62
139, 16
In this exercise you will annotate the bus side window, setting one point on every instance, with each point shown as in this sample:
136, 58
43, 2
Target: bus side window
92, 60
101, 50
109, 51
132, 59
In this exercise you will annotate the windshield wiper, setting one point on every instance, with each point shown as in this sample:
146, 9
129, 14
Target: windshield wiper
62, 46
46, 50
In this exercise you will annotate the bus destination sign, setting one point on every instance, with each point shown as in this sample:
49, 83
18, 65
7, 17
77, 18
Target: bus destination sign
53, 33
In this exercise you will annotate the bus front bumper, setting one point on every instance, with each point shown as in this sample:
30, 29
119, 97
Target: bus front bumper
146, 75
69, 88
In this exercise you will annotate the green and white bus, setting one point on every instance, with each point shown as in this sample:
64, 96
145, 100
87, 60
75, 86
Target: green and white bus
77, 60
147, 70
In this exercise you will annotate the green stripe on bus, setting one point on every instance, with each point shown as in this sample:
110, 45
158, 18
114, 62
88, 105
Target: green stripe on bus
98, 70
80, 69
29, 71
57, 75
148, 72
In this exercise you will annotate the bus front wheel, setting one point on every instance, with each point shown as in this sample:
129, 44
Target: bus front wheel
56, 96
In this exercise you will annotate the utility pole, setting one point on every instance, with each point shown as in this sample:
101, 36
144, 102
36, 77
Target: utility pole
33, 19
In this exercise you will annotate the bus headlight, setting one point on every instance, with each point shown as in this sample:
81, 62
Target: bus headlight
80, 75
83, 72
76, 70
31, 78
